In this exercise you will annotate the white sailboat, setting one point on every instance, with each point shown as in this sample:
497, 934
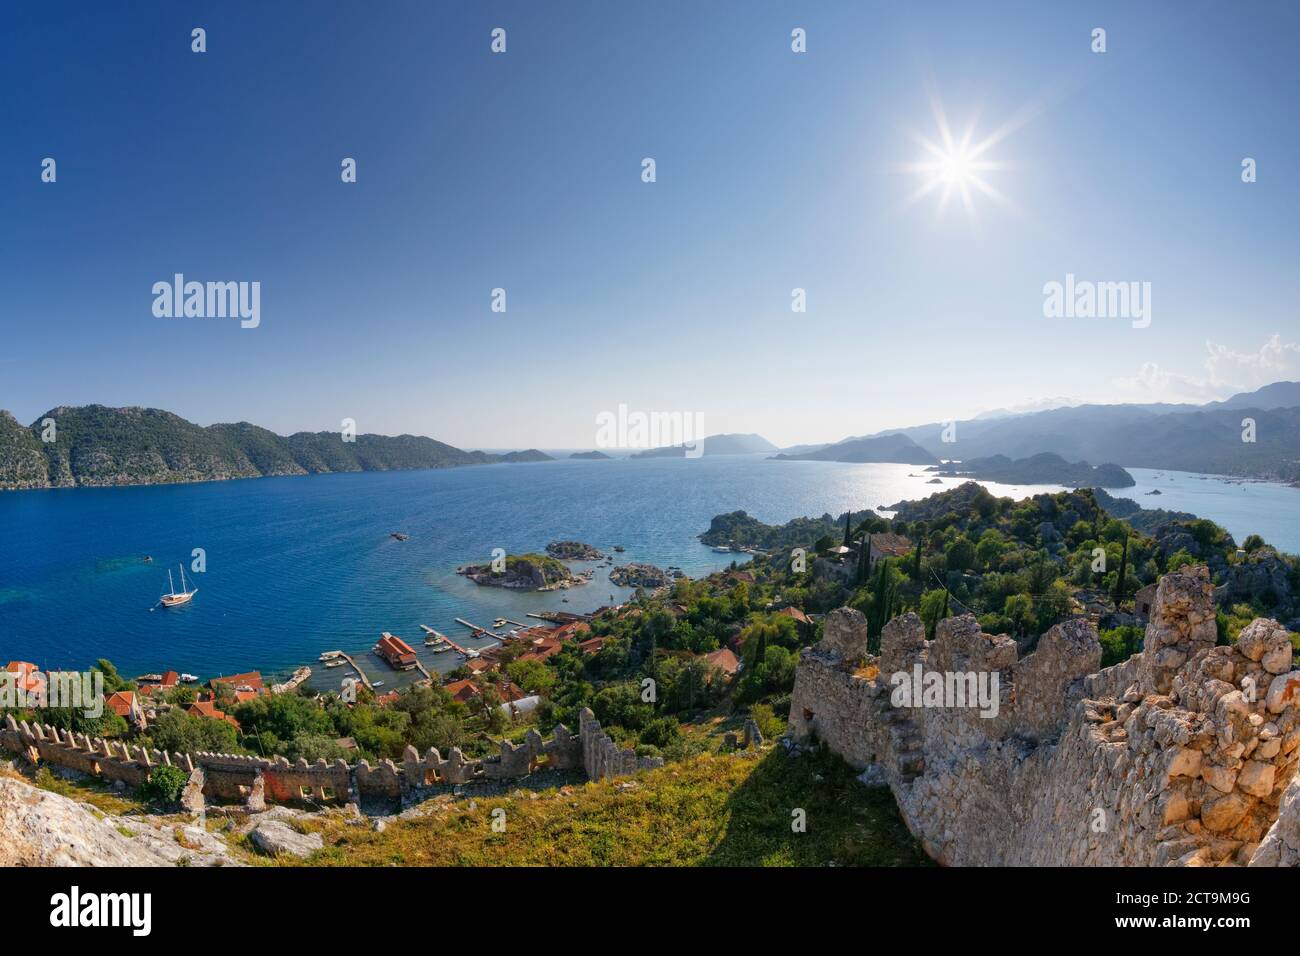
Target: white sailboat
173, 598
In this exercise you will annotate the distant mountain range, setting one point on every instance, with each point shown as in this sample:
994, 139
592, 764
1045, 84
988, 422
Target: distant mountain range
714, 445
896, 447
96, 445
1201, 438
99, 446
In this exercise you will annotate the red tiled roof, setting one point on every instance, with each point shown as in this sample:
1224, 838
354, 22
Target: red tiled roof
24, 670
890, 545
395, 650
724, 659
795, 613
592, 644
463, 690
253, 680
122, 703
170, 679
206, 708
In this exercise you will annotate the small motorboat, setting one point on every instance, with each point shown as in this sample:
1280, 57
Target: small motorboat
440, 648
399, 536
499, 622
377, 683
335, 663
189, 679
722, 549
330, 655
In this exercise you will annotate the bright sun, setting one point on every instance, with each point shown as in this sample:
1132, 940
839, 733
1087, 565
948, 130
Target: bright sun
954, 167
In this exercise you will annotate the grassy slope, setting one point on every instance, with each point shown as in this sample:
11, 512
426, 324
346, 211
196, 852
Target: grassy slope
706, 811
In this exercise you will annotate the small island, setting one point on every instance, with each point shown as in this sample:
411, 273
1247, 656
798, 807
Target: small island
639, 576
1047, 468
590, 456
524, 572
574, 551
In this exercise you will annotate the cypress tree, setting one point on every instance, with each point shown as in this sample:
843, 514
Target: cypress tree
848, 527
1123, 572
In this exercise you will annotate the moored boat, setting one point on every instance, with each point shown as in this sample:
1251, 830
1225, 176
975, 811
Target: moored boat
173, 598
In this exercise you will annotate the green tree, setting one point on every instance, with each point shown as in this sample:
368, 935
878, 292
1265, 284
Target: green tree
1121, 578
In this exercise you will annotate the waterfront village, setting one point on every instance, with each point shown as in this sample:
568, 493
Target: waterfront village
699, 677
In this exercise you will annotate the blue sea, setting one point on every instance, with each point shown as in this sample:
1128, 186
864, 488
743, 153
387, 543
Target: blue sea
296, 566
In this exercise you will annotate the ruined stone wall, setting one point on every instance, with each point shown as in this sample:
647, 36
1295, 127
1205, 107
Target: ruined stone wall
255, 780
1182, 754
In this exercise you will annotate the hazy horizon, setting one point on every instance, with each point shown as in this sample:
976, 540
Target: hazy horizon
775, 171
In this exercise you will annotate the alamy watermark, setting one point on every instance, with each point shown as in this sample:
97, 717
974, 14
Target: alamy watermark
922, 688
1083, 299
57, 690
209, 300
642, 430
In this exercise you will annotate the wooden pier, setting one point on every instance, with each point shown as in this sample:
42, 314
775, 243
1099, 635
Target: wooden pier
463, 651
480, 630
360, 673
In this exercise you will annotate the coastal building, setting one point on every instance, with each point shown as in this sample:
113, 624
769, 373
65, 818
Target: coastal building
126, 705
209, 709
888, 545
170, 681
800, 618
26, 677
724, 659
592, 645
463, 690
396, 652
250, 682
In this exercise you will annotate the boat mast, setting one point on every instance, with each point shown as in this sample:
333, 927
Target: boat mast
171, 588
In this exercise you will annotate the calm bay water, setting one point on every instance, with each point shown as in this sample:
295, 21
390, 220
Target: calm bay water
296, 566
1242, 507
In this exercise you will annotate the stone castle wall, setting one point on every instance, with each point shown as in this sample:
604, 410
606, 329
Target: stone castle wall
257, 780
1184, 754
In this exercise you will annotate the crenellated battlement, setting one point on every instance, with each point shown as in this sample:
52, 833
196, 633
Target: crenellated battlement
256, 780
1184, 754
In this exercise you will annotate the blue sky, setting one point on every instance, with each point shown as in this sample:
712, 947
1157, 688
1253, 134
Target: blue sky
522, 170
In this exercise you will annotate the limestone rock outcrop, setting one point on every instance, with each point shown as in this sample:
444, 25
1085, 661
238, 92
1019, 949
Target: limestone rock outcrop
46, 829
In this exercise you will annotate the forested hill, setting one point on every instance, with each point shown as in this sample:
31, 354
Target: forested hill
98, 446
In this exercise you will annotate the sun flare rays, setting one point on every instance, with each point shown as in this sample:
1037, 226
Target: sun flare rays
955, 165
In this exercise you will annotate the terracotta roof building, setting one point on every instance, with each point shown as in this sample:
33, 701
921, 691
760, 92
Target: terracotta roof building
126, 705
249, 681
889, 545
396, 651
25, 678
725, 659
206, 708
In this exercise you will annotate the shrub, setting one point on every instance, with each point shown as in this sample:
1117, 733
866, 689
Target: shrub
164, 785
769, 725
